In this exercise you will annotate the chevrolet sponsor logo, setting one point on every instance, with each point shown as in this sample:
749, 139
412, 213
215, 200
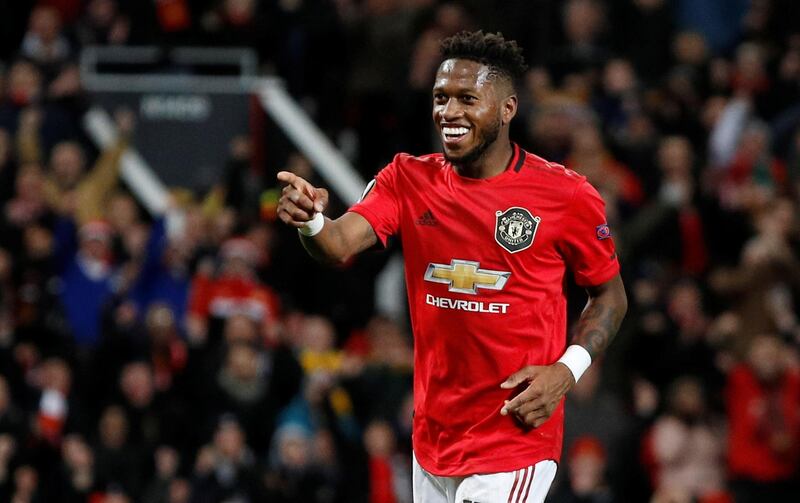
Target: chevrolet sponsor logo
467, 305
465, 276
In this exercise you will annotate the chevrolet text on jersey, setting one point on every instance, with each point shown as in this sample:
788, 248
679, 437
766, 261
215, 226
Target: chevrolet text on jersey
467, 305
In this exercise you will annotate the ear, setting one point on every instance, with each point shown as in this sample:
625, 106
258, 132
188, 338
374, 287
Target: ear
509, 109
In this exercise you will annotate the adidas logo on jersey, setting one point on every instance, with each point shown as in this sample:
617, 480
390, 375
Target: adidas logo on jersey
427, 218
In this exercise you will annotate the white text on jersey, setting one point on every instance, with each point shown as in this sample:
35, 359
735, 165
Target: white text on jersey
466, 305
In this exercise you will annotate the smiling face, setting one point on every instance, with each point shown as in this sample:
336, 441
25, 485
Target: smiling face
472, 108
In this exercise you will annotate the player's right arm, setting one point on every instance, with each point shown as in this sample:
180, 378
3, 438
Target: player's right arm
339, 239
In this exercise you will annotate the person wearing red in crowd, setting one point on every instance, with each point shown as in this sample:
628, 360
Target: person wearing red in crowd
586, 466
763, 402
488, 232
235, 290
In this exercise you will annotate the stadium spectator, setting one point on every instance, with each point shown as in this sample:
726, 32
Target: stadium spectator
225, 468
591, 411
619, 187
74, 480
56, 401
292, 476
166, 349
8, 447
26, 87
647, 41
167, 464
28, 204
102, 23
235, 23
383, 376
760, 288
687, 444
233, 289
586, 463
163, 273
73, 190
241, 389
12, 422
118, 461
151, 416
389, 471
584, 23
26, 485
44, 43
86, 274
762, 399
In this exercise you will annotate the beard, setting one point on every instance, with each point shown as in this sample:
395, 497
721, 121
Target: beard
486, 138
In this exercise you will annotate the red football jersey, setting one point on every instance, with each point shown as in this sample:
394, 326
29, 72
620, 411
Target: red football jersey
485, 263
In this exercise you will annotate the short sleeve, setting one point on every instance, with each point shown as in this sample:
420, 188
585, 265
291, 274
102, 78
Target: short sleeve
380, 205
587, 243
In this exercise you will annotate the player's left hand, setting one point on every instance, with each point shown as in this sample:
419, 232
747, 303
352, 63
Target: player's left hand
536, 403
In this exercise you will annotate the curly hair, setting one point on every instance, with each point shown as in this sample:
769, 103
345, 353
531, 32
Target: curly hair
503, 57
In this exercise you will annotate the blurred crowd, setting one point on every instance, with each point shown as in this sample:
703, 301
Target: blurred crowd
199, 356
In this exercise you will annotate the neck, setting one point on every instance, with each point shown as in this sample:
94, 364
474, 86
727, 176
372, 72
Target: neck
493, 161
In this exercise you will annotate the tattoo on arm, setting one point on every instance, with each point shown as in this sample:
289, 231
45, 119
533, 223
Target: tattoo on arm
598, 324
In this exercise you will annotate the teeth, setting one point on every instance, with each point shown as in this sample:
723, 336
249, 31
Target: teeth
454, 131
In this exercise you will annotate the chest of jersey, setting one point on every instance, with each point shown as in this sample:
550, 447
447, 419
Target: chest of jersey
483, 236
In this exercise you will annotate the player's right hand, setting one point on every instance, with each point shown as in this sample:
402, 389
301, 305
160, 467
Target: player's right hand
299, 200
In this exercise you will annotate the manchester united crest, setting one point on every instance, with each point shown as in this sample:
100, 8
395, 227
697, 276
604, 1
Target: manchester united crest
515, 228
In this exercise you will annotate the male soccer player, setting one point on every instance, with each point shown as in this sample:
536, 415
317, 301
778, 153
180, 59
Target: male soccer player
488, 232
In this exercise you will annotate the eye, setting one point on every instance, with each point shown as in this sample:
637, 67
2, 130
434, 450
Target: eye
439, 97
468, 98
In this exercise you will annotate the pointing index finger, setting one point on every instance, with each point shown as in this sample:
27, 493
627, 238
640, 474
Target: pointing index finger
297, 182
287, 176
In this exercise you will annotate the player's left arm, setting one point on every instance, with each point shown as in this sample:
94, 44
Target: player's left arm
547, 384
602, 316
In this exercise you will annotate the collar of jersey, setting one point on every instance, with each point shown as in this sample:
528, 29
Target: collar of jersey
512, 168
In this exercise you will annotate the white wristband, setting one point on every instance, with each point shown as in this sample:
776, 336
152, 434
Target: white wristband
313, 226
577, 360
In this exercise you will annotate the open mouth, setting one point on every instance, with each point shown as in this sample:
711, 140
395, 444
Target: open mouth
454, 134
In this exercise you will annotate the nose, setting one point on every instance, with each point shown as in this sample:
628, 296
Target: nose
451, 110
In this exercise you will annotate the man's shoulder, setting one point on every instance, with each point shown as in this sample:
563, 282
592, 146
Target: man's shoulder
412, 168
427, 161
539, 166
550, 174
